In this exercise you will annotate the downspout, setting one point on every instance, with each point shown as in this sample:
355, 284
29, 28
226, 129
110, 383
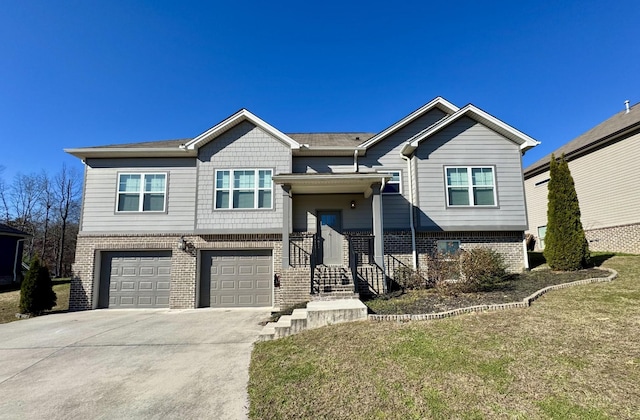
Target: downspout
355, 161
15, 261
414, 251
526, 254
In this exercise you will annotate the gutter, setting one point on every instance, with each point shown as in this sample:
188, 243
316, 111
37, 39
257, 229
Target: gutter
15, 261
414, 251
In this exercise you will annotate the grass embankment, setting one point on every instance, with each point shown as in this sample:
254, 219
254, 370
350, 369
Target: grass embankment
574, 354
10, 300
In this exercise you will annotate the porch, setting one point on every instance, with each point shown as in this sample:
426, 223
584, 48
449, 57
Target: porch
333, 225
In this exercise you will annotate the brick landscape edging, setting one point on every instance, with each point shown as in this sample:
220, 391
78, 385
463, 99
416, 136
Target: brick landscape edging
496, 307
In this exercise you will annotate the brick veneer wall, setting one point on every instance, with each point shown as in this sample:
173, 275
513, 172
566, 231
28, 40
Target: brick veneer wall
625, 238
294, 288
294, 281
508, 244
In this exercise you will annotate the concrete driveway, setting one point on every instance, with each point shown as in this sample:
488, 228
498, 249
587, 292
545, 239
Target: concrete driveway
143, 364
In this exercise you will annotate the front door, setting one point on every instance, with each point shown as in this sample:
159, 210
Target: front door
330, 225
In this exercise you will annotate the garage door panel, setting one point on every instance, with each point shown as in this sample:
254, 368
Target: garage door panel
147, 271
227, 270
136, 279
263, 285
236, 278
245, 284
127, 285
145, 285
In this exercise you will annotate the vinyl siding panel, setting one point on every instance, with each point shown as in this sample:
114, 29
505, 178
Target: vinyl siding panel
100, 195
305, 208
606, 183
468, 143
244, 146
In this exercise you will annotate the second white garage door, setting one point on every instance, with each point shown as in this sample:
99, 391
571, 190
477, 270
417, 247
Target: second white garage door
240, 278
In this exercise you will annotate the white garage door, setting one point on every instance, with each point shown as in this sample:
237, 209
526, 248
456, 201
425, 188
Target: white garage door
135, 279
236, 278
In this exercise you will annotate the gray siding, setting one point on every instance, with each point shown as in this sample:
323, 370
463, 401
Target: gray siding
606, 184
383, 156
305, 207
101, 183
244, 146
468, 143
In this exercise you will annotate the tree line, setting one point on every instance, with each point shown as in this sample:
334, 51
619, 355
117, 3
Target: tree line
46, 206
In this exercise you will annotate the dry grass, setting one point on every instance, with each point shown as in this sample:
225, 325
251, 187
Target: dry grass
10, 301
575, 354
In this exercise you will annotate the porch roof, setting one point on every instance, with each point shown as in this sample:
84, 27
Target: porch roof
331, 183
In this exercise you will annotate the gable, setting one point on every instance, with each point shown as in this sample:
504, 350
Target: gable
235, 119
438, 103
523, 141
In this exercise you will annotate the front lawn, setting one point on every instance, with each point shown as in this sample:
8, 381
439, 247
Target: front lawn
10, 300
574, 354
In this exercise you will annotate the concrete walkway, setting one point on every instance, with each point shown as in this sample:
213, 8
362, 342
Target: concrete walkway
115, 364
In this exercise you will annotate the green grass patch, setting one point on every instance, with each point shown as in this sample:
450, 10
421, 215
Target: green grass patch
10, 300
572, 355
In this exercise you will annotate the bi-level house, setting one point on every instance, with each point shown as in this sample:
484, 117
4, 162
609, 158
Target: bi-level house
246, 215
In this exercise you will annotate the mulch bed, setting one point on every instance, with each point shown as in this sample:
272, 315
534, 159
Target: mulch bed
516, 288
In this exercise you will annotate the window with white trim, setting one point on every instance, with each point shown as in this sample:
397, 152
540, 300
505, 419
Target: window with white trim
141, 192
394, 184
243, 189
542, 232
470, 186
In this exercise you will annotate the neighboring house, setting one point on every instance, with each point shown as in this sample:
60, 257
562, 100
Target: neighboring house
11, 246
245, 215
604, 165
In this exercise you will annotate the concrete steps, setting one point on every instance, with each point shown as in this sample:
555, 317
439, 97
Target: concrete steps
317, 314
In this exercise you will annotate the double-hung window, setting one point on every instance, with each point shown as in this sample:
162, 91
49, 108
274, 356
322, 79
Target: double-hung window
243, 189
470, 186
142, 192
394, 184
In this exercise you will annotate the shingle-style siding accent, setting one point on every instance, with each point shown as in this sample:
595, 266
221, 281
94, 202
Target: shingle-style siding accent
625, 238
100, 196
244, 146
467, 143
606, 184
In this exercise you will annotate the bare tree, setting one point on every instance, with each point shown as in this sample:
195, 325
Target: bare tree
24, 195
47, 198
4, 206
67, 195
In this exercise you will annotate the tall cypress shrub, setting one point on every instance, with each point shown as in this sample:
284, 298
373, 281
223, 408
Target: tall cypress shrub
36, 291
566, 246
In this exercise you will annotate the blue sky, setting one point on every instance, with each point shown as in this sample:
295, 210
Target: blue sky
87, 73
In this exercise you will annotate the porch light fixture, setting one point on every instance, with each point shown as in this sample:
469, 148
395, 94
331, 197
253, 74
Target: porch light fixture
353, 204
182, 244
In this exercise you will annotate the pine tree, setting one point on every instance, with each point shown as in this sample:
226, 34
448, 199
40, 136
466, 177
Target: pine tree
36, 291
566, 246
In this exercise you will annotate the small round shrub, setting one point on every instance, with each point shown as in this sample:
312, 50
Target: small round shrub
481, 269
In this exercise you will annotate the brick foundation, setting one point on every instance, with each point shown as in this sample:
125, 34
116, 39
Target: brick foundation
625, 238
295, 284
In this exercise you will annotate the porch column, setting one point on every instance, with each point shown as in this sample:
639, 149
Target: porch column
378, 239
286, 222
